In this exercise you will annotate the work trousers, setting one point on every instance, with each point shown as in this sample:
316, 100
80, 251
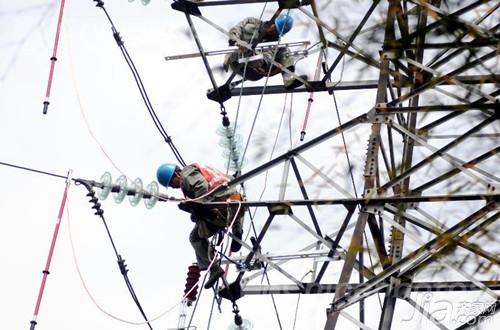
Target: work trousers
257, 69
205, 228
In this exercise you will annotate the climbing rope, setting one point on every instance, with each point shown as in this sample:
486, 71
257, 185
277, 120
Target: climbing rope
211, 312
264, 274
214, 259
345, 146
79, 99
290, 122
259, 104
272, 151
298, 300
240, 97
249, 137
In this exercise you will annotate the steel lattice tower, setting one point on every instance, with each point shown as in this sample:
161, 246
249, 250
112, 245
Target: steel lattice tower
438, 72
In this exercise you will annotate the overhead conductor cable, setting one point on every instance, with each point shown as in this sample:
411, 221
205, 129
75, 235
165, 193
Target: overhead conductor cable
121, 262
141, 87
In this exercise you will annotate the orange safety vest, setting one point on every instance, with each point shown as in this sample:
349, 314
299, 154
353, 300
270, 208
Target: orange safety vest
214, 177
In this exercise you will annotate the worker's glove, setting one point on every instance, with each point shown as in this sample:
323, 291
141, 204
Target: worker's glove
195, 216
185, 207
231, 42
196, 209
245, 52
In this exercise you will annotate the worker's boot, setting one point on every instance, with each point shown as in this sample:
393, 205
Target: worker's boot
215, 273
235, 245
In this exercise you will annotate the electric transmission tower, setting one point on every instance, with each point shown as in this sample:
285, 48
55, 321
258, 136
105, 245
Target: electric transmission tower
430, 77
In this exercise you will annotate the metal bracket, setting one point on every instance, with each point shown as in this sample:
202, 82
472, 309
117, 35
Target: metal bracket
251, 58
424, 135
187, 7
401, 287
317, 86
256, 264
277, 209
339, 42
379, 114
231, 292
390, 54
371, 156
414, 205
372, 209
289, 4
493, 188
224, 93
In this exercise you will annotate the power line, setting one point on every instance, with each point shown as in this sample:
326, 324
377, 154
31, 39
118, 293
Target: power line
121, 262
141, 87
34, 170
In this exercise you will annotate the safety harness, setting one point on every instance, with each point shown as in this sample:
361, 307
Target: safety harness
214, 177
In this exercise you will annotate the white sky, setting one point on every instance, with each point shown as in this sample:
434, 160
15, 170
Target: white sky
92, 81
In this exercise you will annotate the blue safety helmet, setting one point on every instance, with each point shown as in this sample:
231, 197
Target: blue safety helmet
165, 173
283, 24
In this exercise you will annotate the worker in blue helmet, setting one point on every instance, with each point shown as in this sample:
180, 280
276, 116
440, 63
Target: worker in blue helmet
254, 31
205, 184
283, 24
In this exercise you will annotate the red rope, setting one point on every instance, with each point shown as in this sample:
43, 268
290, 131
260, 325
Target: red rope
53, 59
51, 252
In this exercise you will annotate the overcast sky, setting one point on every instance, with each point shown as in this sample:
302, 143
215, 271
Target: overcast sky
97, 122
